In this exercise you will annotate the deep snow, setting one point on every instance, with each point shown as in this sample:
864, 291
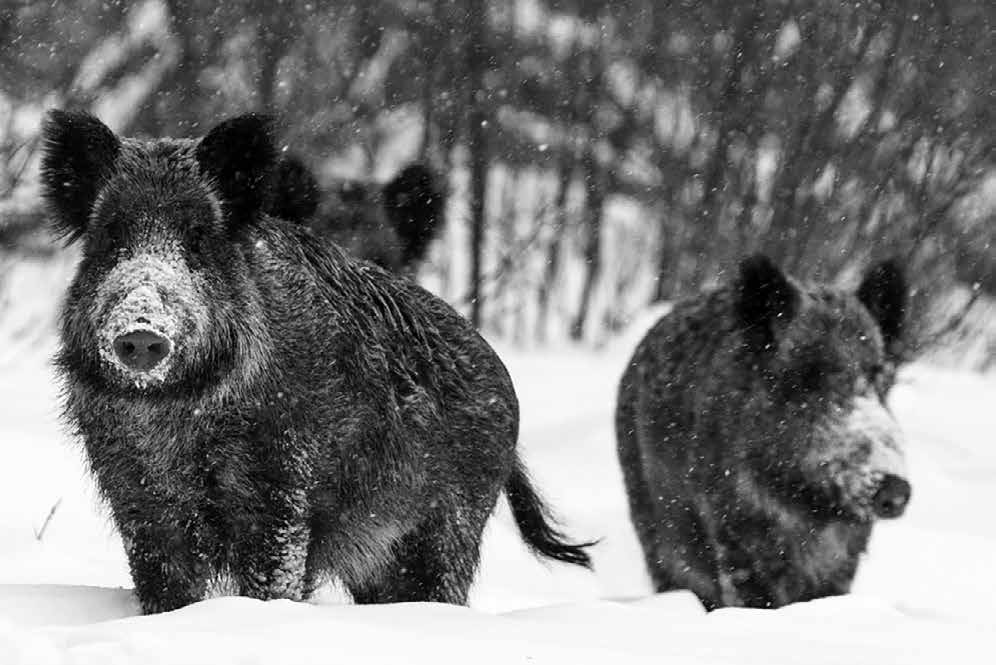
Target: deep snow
925, 592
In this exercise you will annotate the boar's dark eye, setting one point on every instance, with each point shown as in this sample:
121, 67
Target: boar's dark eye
811, 377
199, 244
110, 235
814, 376
881, 377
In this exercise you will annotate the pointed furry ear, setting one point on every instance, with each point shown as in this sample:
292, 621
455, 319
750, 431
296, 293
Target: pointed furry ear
296, 194
240, 155
414, 205
78, 156
764, 294
884, 292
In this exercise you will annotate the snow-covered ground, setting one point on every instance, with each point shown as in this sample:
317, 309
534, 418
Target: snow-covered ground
926, 592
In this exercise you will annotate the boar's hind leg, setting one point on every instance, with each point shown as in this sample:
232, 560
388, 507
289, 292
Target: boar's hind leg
434, 563
168, 574
642, 510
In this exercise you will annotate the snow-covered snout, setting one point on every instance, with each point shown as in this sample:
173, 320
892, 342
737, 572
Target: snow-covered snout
148, 313
864, 459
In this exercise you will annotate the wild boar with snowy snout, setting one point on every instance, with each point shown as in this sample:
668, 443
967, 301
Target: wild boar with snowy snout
255, 405
754, 437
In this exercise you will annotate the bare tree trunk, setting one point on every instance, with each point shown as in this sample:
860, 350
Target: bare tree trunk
430, 58
594, 181
595, 188
173, 111
809, 152
477, 147
552, 267
274, 36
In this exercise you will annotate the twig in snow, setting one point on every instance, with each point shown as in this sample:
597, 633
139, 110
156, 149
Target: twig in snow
40, 533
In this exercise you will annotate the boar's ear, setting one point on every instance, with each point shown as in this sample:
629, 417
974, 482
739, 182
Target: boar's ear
763, 295
884, 293
78, 156
239, 154
296, 193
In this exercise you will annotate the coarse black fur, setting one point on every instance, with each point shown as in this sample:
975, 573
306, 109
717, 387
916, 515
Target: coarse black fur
391, 226
79, 150
753, 437
296, 192
414, 205
316, 416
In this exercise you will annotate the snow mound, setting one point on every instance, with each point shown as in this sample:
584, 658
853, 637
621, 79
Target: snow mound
669, 628
925, 592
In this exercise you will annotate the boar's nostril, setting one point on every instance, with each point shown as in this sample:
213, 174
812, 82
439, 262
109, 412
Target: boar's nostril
891, 497
141, 350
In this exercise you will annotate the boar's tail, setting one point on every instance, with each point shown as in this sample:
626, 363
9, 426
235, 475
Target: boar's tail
414, 205
534, 521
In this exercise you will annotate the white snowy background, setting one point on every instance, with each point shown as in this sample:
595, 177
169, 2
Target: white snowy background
925, 593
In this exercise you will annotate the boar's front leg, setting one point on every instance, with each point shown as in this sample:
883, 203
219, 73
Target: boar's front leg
271, 554
167, 567
271, 559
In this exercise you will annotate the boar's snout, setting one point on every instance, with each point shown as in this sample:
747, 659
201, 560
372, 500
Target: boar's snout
891, 497
141, 350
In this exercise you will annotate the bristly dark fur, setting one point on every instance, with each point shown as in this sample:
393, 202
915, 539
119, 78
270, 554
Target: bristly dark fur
414, 204
297, 194
76, 151
747, 481
764, 296
240, 155
885, 293
322, 417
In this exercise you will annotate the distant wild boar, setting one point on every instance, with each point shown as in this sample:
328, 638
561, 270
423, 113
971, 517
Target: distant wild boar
254, 404
391, 226
754, 437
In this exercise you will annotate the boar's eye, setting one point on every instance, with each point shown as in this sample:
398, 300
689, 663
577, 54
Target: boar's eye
881, 377
811, 377
815, 376
198, 241
110, 235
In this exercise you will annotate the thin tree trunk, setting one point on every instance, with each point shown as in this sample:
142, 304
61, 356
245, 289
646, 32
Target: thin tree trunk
595, 188
477, 147
810, 150
706, 218
594, 182
274, 36
173, 110
552, 267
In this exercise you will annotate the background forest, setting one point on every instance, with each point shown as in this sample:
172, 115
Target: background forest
600, 156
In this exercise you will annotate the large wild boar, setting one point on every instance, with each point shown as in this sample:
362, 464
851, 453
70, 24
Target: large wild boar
258, 406
755, 440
